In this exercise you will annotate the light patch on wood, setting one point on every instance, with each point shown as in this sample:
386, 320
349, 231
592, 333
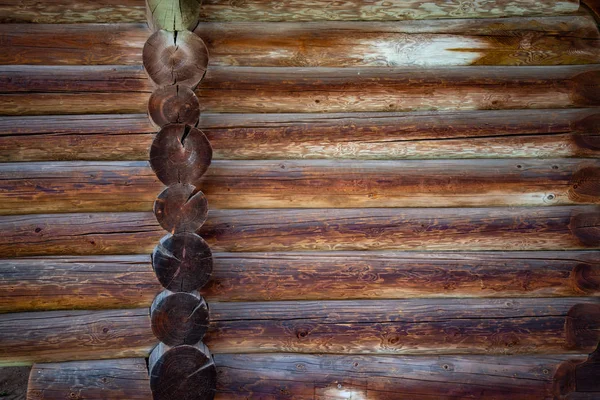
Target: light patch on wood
173, 15
339, 391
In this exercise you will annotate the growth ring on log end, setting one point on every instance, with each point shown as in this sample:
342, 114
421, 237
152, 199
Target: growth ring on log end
175, 58
180, 208
174, 105
182, 262
182, 373
180, 154
586, 278
179, 318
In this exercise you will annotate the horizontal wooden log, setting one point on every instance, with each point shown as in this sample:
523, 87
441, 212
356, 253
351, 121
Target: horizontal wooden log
416, 326
328, 376
35, 90
92, 380
132, 186
72, 11
470, 134
424, 326
272, 89
514, 41
453, 229
74, 335
77, 44
99, 282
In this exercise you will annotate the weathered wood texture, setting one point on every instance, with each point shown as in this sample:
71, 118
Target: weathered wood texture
513, 41
72, 11
308, 377
132, 186
74, 335
173, 15
91, 380
77, 44
29, 284
35, 90
555, 40
470, 134
453, 229
98, 282
416, 326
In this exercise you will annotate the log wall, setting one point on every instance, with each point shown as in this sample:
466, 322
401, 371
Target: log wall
403, 199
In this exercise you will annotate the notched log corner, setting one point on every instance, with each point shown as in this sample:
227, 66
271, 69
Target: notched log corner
174, 105
582, 326
181, 208
179, 318
586, 227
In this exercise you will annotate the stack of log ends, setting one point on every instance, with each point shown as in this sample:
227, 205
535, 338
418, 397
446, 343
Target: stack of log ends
180, 154
582, 326
181, 208
173, 15
586, 227
174, 105
179, 318
585, 185
182, 373
175, 58
117, 379
182, 262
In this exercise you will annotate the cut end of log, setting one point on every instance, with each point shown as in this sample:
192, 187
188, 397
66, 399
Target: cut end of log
172, 58
585, 186
179, 318
586, 227
564, 378
182, 262
180, 154
174, 105
173, 15
586, 278
583, 327
181, 208
182, 373
587, 89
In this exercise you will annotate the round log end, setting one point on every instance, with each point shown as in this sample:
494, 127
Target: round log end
174, 105
182, 262
586, 278
586, 227
585, 185
180, 154
181, 208
182, 373
564, 379
582, 327
179, 318
586, 91
175, 58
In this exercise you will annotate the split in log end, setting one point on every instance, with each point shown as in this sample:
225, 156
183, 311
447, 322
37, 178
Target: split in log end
174, 105
179, 318
582, 327
173, 15
181, 208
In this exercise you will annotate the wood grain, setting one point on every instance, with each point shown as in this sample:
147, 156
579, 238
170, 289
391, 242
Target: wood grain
93, 380
131, 186
452, 229
470, 134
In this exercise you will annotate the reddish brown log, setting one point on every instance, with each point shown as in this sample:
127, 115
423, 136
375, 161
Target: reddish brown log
91, 380
181, 208
180, 154
172, 58
179, 318
583, 326
471, 134
182, 373
182, 262
174, 105
586, 226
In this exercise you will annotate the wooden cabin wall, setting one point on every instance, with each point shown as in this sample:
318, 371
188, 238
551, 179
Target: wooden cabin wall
404, 198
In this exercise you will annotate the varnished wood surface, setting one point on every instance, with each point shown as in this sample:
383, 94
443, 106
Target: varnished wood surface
132, 186
453, 229
469, 134
127, 281
91, 380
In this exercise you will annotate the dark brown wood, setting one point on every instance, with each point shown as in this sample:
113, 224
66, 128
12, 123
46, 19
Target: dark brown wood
415, 326
33, 284
452, 229
587, 374
53, 336
586, 226
130, 186
182, 262
181, 208
172, 58
180, 154
174, 105
337, 377
182, 373
470, 134
179, 318
91, 380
